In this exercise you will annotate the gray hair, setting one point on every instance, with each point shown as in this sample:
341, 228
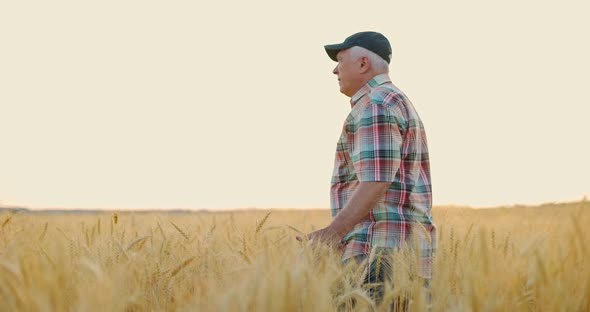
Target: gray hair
377, 62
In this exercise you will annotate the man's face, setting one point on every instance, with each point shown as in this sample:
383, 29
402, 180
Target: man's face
348, 73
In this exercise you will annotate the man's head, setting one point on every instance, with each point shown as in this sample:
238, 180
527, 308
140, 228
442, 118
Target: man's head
360, 57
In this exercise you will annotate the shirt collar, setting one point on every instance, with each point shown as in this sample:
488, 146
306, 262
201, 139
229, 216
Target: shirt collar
366, 89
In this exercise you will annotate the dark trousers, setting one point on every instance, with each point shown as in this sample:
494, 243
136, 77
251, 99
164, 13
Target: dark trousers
378, 271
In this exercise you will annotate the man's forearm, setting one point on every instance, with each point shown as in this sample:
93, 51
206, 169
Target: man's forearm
360, 204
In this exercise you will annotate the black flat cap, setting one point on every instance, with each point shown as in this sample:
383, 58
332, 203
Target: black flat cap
370, 40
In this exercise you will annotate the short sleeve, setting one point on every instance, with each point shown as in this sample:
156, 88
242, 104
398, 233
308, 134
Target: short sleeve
376, 152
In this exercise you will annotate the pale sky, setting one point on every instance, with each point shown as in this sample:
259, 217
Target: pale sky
230, 104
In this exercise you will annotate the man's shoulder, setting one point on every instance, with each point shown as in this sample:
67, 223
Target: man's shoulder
392, 100
387, 94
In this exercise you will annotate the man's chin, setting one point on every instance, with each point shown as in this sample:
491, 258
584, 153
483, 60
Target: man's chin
345, 92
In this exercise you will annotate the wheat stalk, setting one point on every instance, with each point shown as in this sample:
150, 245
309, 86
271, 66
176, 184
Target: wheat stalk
161, 231
6, 221
295, 229
182, 266
180, 231
139, 242
42, 236
47, 256
64, 234
261, 223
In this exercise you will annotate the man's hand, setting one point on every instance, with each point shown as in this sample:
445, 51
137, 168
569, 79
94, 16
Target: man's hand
326, 236
356, 210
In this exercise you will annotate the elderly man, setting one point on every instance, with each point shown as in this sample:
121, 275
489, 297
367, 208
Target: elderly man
380, 192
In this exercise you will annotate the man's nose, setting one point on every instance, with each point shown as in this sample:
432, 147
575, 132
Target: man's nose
335, 70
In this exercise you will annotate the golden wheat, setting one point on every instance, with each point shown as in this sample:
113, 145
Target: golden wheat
504, 259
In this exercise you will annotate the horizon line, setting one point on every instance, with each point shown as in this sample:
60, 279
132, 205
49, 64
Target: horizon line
195, 209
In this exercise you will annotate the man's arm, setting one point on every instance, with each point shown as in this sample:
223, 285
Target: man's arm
376, 158
358, 207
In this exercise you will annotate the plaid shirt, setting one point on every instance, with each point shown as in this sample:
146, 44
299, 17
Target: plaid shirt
383, 139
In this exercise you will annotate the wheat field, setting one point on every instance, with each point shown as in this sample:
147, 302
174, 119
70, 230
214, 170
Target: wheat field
502, 259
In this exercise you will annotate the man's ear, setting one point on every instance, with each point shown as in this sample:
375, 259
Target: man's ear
365, 64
